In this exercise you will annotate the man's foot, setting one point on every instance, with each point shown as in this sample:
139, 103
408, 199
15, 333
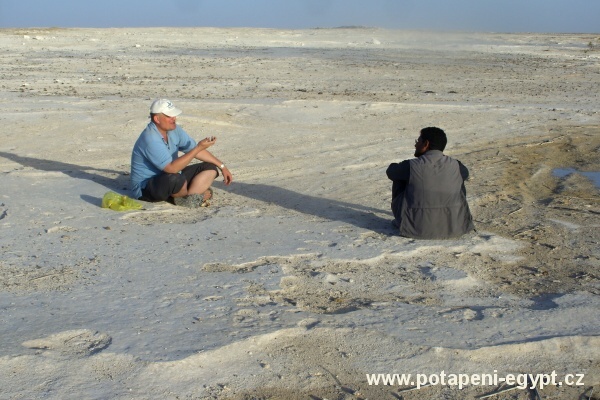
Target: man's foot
195, 200
192, 201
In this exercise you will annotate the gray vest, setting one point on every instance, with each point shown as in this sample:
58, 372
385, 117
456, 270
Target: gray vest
434, 204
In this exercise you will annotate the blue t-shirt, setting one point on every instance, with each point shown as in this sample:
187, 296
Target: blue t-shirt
151, 154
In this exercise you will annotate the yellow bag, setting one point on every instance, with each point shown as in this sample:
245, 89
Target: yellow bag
119, 202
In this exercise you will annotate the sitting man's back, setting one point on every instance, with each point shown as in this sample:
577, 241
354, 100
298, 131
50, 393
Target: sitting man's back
428, 192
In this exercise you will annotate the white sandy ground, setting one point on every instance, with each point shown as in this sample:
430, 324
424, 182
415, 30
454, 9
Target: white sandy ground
293, 283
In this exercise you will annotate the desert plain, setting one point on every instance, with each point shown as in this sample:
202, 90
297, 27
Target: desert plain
293, 284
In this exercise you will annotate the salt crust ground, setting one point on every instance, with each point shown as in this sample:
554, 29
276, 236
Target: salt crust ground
293, 283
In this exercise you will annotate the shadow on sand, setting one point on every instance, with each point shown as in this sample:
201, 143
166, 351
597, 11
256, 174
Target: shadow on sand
118, 183
359, 215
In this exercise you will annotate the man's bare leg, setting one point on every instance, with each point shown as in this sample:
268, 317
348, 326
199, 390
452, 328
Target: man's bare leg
201, 183
198, 192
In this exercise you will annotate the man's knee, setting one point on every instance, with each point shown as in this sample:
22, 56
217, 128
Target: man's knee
210, 171
192, 171
212, 168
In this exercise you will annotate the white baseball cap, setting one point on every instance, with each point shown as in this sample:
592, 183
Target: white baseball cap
164, 106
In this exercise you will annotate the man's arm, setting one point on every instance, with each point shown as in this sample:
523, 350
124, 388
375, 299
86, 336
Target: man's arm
399, 171
183, 161
464, 171
207, 156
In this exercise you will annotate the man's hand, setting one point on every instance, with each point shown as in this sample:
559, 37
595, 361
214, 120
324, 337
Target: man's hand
227, 177
207, 142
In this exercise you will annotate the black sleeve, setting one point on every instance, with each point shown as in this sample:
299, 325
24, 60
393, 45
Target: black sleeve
464, 171
399, 171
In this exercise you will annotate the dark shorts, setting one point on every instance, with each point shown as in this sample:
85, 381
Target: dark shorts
163, 186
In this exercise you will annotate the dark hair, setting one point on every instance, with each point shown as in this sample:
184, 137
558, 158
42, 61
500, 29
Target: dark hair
435, 136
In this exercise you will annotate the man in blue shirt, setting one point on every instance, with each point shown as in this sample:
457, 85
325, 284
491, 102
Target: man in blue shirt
159, 173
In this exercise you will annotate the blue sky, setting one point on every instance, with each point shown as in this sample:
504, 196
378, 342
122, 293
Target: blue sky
557, 16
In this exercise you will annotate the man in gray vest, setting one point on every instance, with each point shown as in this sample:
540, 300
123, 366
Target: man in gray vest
429, 199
